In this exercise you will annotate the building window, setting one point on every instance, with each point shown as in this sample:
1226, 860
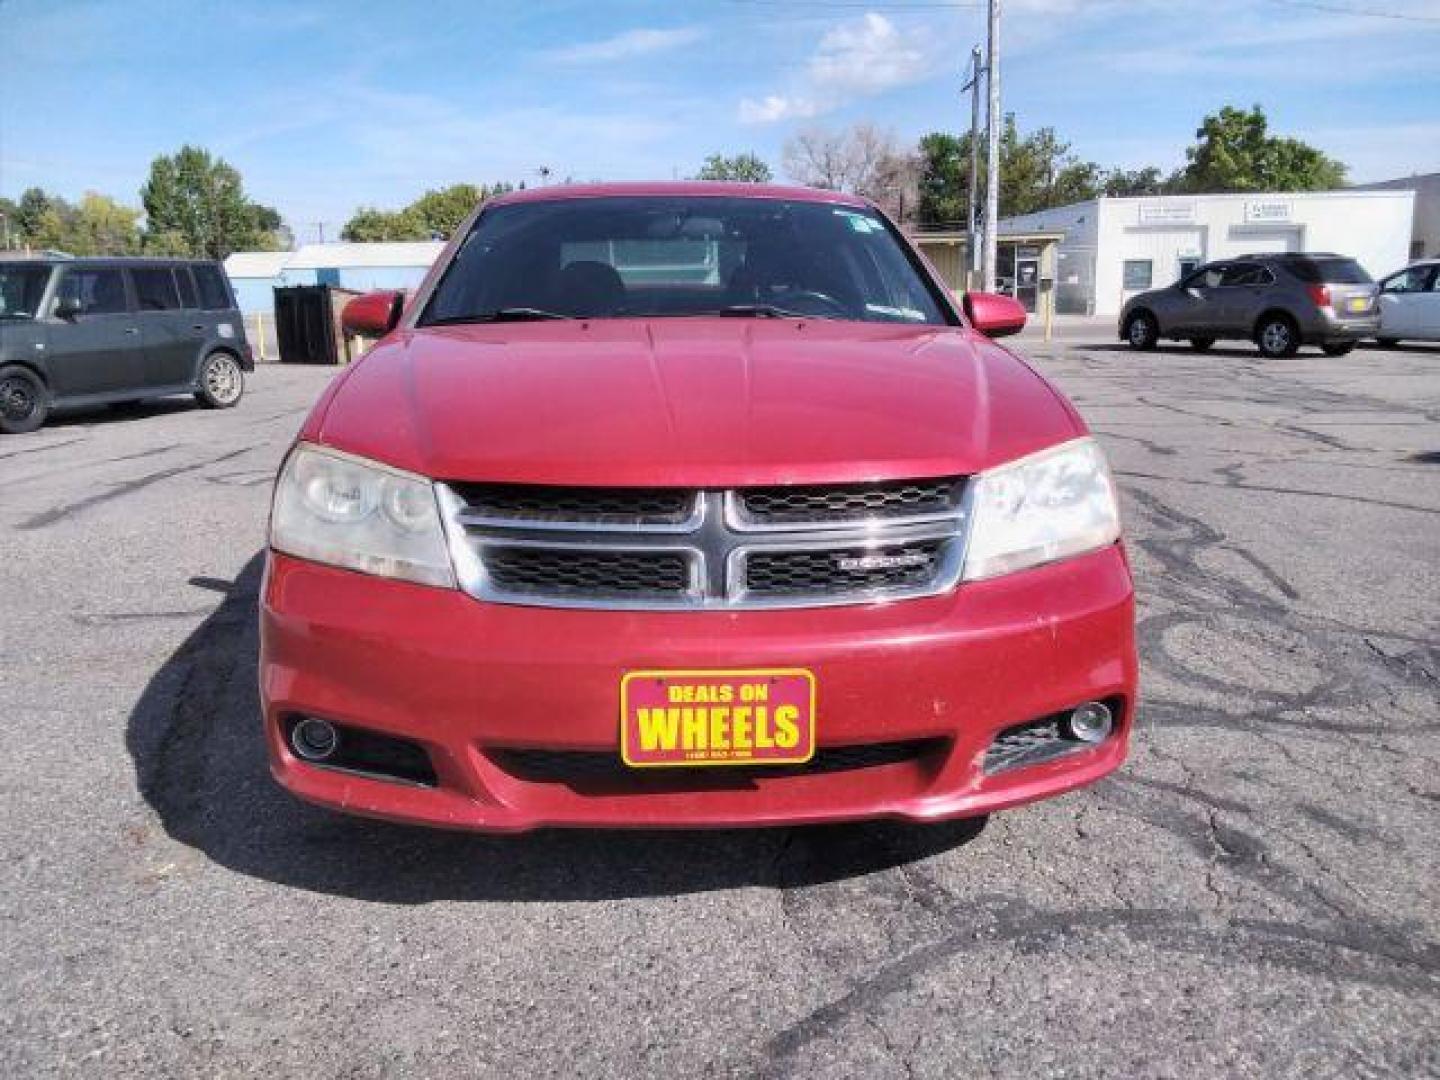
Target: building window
1138, 273
1188, 264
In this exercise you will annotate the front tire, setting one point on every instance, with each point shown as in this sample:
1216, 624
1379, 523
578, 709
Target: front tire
24, 404
1277, 337
222, 382
1338, 349
1142, 331
1202, 344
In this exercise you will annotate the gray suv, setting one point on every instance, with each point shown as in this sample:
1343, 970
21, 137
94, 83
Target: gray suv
1280, 302
101, 331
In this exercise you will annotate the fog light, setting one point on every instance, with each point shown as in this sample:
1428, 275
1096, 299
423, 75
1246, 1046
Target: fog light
313, 739
1090, 723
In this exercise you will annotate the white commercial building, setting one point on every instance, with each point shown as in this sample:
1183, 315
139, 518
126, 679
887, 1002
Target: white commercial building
1115, 248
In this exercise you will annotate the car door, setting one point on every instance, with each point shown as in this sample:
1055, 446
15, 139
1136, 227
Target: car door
96, 348
1403, 303
1197, 301
1427, 324
165, 327
1245, 292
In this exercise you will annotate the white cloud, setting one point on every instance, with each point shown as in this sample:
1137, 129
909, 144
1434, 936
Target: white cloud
858, 58
625, 46
775, 107
868, 56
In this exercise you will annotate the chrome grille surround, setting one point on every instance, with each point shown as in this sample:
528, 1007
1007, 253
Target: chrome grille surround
717, 544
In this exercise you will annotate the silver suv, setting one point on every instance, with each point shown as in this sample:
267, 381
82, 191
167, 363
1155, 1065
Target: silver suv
1280, 302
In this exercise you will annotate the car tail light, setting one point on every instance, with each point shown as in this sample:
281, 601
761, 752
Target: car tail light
1320, 294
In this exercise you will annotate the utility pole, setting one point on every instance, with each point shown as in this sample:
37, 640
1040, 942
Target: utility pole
992, 164
976, 69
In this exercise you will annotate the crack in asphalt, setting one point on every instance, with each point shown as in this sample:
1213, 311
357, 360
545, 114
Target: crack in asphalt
120, 490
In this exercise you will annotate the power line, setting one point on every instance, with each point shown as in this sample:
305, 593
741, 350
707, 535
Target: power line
879, 9
975, 5
1364, 13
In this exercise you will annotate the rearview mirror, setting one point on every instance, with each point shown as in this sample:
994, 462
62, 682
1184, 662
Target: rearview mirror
69, 308
373, 315
994, 315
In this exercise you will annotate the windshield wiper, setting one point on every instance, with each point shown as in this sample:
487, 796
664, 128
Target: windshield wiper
505, 314
765, 311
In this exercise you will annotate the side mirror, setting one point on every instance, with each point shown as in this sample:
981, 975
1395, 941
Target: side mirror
994, 315
373, 315
69, 308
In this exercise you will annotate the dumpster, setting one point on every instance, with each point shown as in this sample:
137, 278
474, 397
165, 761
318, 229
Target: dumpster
307, 323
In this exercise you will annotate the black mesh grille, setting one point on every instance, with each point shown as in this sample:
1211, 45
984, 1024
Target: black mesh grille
589, 506
584, 768
891, 499
846, 570
581, 574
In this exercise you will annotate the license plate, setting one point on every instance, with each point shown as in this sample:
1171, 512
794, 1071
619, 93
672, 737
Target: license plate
763, 716
1358, 303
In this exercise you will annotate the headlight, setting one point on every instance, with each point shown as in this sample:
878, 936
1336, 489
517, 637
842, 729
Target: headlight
1051, 505
342, 510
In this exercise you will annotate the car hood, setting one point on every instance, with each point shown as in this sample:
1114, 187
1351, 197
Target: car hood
693, 402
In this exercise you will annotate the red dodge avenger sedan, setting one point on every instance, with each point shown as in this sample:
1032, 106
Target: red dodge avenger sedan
691, 505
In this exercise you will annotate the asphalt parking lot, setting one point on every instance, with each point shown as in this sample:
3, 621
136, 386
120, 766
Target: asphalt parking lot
1254, 894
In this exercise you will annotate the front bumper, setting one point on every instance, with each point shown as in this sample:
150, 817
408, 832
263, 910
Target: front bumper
470, 681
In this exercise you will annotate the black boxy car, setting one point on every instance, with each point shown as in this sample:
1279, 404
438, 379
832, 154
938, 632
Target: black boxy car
100, 331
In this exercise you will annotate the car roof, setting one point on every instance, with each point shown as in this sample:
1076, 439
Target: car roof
57, 258
1286, 256
677, 188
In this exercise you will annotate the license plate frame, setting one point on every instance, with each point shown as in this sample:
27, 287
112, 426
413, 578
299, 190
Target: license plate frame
756, 732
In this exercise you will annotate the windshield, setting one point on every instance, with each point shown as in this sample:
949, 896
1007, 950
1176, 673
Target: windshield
1331, 272
651, 257
21, 288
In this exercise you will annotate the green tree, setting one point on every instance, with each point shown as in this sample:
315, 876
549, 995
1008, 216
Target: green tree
442, 212
369, 225
202, 199
1147, 181
101, 226
944, 178
30, 213
1036, 173
745, 168
434, 215
1235, 152
165, 243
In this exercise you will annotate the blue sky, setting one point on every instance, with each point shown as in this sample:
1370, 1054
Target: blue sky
326, 106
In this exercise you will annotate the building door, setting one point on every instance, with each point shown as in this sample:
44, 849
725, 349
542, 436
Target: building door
1253, 241
1027, 276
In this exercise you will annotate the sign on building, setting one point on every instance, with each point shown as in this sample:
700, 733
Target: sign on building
1258, 210
1165, 213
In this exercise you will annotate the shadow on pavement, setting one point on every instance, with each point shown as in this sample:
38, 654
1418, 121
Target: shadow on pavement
200, 763
121, 412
